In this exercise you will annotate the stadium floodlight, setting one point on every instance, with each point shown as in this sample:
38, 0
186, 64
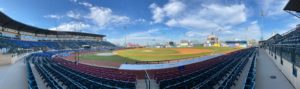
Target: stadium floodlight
293, 7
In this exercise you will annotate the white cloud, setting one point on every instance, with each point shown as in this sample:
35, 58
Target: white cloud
73, 14
85, 4
251, 31
219, 19
73, 0
104, 16
200, 21
213, 17
52, 16
254, 28
231, 15
197, 23
205, 17
138, 21
196, 34
144, 37
145, 34
171, 22
158, 13
272, 7
173, 8
71, 26
101, 17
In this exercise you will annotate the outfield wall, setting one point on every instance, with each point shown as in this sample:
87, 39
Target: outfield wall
166, 65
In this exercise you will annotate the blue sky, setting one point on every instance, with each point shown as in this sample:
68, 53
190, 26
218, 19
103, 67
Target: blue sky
150, 21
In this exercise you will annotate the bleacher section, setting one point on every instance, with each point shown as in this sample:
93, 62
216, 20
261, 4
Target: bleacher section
13, 44
53, 73
109, 74
285, 47
250, 81
208, 77
285, 50
220, 72
30, 77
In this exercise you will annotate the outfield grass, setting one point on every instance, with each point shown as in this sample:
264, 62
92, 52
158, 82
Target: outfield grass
114, 58
155, 54
219, 49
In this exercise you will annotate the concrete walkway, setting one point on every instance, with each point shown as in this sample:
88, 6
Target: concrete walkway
13, 76
265, 68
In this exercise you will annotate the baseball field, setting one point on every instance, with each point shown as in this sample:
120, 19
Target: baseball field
154, 54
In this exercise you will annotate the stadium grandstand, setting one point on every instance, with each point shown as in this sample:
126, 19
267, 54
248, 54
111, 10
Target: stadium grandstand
284, 48
37, 58
285, 52
17, 37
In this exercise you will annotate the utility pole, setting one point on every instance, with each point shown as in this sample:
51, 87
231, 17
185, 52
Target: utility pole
262, 14
125, 39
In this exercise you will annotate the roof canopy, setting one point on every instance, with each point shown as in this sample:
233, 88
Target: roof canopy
293, 7
8, 22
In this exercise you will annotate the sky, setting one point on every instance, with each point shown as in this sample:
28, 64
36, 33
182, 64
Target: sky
151, 21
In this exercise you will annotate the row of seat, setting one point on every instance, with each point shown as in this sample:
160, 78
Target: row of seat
101, 81
229, 81
205, 78
240, 59
53, 73
169, 73
67, 80
101, 72
30, 77
48, 79
292, 40
14, 43
250, 81
204, 74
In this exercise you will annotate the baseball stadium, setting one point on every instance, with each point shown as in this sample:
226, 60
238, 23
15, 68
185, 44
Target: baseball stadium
147, 55
87, 49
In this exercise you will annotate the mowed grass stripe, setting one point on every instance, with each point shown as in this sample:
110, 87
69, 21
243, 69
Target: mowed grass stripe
156, 54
